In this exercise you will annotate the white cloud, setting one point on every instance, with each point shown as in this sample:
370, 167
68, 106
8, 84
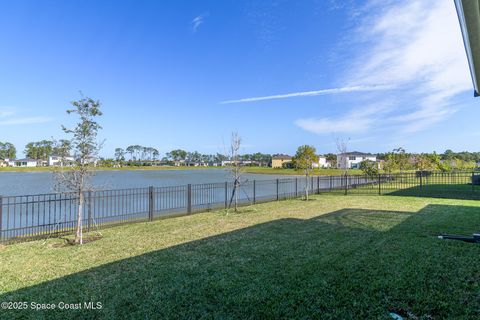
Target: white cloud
25, 120
5, 113
416, 46
327, 125
357, 121
196, 22
8, 117
313, 93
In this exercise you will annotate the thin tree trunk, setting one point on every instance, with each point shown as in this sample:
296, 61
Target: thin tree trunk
236, 194
79, 234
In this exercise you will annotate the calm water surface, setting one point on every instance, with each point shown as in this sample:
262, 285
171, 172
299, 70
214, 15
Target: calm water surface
23, 183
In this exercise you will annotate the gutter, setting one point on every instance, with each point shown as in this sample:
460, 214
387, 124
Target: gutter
466, 40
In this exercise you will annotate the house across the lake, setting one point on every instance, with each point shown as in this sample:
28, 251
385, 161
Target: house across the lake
322, 163
280, 159
23, 163
60, 161
352, 160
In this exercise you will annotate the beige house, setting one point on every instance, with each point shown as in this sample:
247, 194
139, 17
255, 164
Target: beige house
279, 160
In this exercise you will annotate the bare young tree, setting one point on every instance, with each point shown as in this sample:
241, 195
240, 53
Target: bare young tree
235, 167
342, 149
77, 179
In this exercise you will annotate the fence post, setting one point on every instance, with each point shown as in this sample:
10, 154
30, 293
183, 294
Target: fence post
346, 184
331, 183
296, 187
379, 184
89, 213
277, 189
318, 184
226, 194
189, 198
150, 203
254, 192
473, 190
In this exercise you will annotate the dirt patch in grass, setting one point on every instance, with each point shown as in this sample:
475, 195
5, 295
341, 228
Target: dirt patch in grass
67, 242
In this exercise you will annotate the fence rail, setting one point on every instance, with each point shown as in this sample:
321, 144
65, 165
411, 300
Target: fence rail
23, 217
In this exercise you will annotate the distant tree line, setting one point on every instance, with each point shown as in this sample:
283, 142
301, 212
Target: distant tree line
399, 160
188, 158
464, 156
41, 150
136, 153
396, 160
38, 150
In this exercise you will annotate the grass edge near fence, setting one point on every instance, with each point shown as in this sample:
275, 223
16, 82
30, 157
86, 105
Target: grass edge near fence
349, 185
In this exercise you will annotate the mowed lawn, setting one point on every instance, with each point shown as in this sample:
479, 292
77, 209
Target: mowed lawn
335, 257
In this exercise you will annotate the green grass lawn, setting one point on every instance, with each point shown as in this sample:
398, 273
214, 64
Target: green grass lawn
448, 186
335, 257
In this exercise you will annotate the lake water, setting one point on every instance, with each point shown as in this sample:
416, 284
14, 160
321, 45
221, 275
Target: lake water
25, 183
27, 212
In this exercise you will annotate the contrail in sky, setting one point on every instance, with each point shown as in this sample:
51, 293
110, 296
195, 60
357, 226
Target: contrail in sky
312, 93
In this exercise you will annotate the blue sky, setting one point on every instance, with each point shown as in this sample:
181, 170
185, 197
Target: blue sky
185, 74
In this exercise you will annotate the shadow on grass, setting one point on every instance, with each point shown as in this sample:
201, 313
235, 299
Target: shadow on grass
449, 191
460, 191
350, 263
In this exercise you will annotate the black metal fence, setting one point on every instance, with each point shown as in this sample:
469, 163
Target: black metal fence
458, 185
28, 216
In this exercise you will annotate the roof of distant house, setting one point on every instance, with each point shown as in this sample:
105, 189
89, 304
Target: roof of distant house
357, 153
281, 157
25, 160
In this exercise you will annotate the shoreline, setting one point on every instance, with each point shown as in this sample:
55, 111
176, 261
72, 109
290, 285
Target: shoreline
252, 170
152, 168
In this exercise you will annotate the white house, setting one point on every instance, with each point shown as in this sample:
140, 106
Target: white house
322, 163
23, 163
59, 161
89, 160
178, 163
352, 160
